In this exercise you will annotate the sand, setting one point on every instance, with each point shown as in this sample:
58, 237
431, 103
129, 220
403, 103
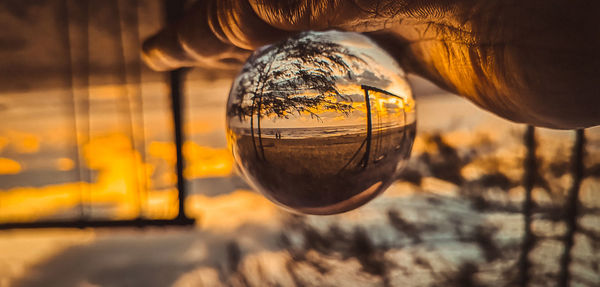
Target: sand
324, 175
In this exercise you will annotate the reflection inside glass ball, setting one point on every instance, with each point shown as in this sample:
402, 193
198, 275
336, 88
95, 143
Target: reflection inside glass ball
321, 123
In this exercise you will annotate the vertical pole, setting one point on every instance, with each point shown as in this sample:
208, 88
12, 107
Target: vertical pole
530, 167
260, 143
365, 160
175, 78
174, 10
252, 127
571, 207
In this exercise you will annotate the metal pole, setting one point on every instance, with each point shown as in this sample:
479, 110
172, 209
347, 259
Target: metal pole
572, 206
530, 167
174, 10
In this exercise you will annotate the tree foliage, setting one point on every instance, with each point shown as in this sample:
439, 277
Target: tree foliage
297, 76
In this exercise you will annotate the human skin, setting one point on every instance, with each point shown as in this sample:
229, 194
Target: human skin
529, 61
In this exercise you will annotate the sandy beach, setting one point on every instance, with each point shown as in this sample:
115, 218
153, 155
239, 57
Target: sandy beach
315, 173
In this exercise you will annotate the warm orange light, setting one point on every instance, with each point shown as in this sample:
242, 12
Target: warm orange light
9, 166
65, 164
201, 161
29, 143
122, 182
206, 162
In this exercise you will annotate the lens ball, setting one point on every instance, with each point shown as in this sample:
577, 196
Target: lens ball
321, 123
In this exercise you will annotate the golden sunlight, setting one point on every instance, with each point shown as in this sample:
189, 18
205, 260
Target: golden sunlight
9, 166
65, 164
122, 186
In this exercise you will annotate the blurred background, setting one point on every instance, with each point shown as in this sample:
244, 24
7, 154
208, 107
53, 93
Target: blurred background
87, 135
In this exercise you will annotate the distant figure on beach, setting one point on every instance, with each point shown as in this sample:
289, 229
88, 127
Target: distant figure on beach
278, 135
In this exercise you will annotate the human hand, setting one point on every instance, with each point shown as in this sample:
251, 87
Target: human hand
530, 61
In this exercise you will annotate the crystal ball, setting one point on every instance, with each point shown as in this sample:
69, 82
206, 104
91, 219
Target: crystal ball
322, 122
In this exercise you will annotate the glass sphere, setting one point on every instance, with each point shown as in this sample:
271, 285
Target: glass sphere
321, 123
